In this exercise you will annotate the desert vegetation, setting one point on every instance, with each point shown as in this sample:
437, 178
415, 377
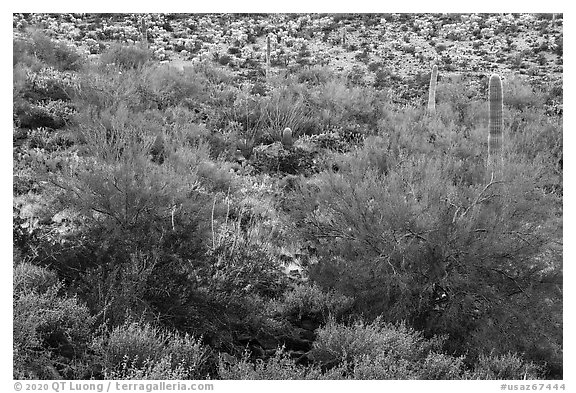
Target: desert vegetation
327, 196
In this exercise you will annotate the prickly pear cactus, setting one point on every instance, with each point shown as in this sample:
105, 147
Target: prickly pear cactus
287, 138
432, 90
495, 124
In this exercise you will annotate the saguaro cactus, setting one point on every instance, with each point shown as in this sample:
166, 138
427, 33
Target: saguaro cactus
432, 90
267, 55
344, 36
287, 138
495, 124
144, 30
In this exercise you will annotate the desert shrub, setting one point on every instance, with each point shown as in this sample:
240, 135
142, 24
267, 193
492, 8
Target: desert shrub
279, 367
138, 221
376, 154
29, 277
314, 75
380, 367
517, 94
362, 351
242, 266
149, 370
133, 341
441, 366
399, 355
124, 200
336, 104
140, 351
50, 114
55, 54
187, 352
311, 301
169, 87
283, 107
46, 84
275, 159
386, 366
507, 366
125, 56
457, 95
389, 239
215, 75
337, 342
382, 78
475, 114
324, 141
149, 88
537, 137
104, 89
51, 334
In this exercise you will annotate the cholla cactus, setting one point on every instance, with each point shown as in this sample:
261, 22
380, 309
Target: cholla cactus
287, 138
495, 124
432, 90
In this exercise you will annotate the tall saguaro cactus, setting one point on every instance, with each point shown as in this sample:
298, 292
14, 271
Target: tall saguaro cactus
495, 124
344, 36
432, 90
144, 31
267, 55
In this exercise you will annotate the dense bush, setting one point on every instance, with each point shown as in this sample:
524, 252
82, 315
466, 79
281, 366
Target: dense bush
311, 301
140, 351
37, 47
506, 366
376, 351
125, 57
336, 342
279, 367
29, 277
51, 331
372, 226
